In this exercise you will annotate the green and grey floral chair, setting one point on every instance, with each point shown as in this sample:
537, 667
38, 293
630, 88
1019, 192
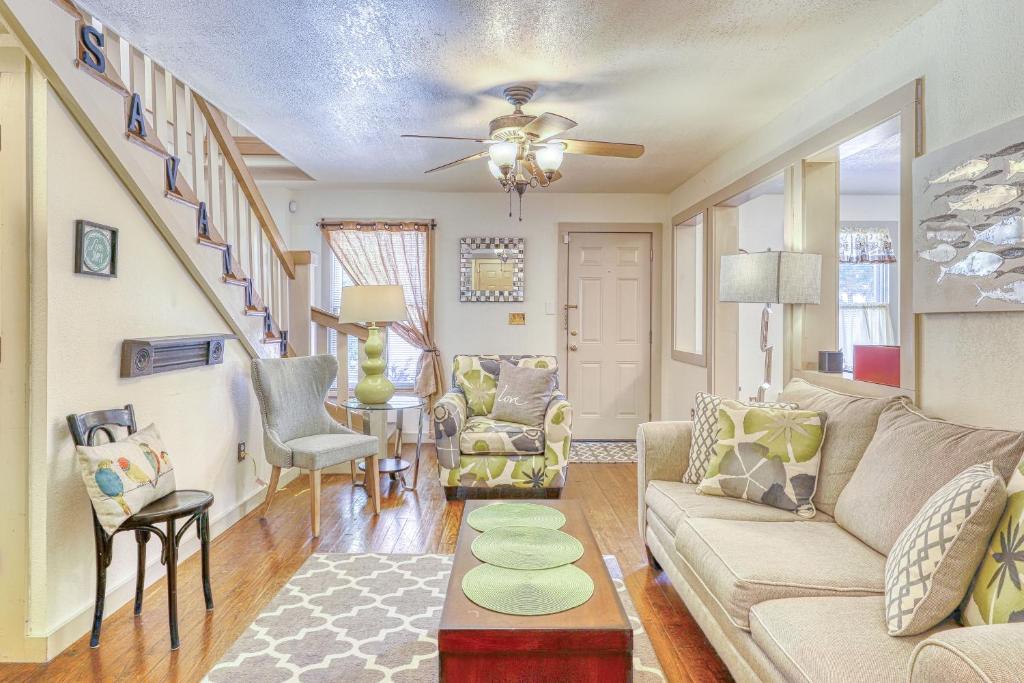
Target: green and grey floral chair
480, 457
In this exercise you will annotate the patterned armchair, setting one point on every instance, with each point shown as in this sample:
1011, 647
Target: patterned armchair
480, 457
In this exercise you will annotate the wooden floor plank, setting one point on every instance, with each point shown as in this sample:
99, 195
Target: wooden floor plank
253, 559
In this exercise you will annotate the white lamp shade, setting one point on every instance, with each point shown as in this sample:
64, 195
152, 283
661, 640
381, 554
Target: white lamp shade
503, 154
495, 171
771, 277
549, 157
372, 304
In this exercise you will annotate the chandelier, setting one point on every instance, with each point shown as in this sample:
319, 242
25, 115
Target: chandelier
520, 165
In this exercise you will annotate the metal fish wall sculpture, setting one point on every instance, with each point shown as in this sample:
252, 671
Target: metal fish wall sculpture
1002, 213
1013, 293
969, 170
944, 253
1019, 270
976, 264
1016, 148
944, 235
1007, 231
992, 197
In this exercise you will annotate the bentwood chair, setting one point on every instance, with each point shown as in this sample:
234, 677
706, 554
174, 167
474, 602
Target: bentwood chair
190, 505
299, 432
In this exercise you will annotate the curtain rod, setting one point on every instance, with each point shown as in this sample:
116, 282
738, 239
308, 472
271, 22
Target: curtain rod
362, 224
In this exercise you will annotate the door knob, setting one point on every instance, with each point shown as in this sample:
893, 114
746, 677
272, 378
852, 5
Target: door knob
573, 347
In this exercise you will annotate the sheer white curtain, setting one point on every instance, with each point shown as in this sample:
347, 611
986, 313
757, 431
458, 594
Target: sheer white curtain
863, 324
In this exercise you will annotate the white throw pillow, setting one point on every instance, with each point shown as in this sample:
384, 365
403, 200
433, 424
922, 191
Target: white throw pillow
125, 476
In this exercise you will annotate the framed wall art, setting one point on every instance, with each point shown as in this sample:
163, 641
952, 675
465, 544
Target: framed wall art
969, 224
95, 249
491, 269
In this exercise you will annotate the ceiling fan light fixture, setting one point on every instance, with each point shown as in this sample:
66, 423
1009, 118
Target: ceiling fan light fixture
503, 155
495, 171
549, 157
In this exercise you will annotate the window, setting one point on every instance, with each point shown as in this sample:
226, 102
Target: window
402, 357
689, 256
869, 212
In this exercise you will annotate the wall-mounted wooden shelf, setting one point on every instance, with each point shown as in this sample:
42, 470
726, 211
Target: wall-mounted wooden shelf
151, 355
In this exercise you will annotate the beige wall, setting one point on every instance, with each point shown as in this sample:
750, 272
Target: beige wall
483, 327
202, 413
969, 53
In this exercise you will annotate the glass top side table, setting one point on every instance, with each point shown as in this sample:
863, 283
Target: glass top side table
376, 424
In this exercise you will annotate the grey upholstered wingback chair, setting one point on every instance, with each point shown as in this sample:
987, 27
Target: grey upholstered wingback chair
299, 432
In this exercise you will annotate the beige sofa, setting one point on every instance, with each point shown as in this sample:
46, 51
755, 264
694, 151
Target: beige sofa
782, 599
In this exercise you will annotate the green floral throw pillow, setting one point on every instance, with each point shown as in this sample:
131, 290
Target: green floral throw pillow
997, 595
766, 455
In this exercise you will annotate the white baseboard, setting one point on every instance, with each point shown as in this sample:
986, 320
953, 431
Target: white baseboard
67, 633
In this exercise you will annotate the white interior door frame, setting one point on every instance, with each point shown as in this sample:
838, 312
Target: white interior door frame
657, 284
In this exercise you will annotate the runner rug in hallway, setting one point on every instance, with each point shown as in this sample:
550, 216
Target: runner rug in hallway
602, 451
362, 618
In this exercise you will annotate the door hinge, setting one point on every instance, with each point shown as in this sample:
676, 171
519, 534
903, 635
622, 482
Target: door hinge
652, 256
565, 238
650, 336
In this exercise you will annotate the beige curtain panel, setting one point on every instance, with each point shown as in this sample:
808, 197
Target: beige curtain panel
379, 253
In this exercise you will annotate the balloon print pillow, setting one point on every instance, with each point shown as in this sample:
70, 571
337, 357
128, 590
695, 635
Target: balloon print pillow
766, 455
125, 476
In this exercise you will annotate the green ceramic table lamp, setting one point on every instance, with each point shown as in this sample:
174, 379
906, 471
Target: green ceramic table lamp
373, 304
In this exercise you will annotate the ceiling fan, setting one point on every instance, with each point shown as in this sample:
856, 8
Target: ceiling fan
523, 150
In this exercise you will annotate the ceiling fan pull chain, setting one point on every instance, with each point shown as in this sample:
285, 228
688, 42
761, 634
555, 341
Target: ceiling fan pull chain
520, 208
510, 205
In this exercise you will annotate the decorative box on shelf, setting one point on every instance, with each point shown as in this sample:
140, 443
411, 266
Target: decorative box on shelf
877, 364
151, 355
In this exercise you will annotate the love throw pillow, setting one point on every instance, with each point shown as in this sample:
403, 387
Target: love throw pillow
767, 455
522, 394
125, 476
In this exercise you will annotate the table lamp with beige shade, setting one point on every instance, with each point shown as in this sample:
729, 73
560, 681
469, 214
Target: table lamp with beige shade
372, 304
769, 277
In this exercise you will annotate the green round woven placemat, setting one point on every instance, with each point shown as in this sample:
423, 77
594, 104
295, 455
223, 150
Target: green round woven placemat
526, 547
527, 592
515, 514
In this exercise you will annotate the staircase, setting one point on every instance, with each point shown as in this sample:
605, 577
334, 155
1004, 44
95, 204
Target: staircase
175, 153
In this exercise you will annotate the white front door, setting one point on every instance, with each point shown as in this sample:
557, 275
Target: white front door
608, 375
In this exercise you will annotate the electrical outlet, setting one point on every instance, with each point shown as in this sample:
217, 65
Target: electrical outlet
242, 453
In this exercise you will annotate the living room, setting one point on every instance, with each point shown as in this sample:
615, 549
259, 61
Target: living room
547, 342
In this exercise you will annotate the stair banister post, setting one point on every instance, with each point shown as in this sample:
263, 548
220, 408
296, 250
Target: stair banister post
299, 302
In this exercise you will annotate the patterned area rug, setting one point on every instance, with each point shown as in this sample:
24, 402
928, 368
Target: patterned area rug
602, 451
361, 618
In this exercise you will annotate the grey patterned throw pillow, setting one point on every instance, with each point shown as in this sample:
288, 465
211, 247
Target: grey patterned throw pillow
705, 433
522, 394
931, 566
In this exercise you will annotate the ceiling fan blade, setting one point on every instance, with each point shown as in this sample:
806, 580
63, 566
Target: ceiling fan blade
603, 149
534, 170
446, 137
546, 125
471, 157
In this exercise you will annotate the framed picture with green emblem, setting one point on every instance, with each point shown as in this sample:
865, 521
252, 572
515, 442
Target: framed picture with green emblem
95, 249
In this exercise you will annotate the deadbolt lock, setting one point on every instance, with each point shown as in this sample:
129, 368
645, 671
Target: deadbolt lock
573, 333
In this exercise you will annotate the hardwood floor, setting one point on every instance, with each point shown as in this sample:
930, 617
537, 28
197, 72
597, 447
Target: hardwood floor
255, 558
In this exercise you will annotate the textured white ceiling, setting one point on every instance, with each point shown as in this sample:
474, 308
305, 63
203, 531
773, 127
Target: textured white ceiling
331, 84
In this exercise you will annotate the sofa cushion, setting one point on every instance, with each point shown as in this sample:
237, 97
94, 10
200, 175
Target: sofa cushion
852, 421
997, 595
672, 501
767, 455
744, 563
833, 639
910, 458
484, 436
705, 433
